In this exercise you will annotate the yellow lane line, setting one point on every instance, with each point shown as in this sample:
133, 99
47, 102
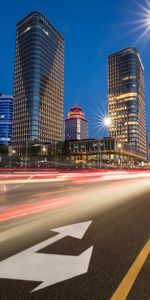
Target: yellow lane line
126, 284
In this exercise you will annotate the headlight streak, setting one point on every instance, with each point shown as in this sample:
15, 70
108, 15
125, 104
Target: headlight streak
44, 204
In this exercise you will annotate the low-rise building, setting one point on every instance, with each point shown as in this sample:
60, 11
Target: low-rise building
106, 151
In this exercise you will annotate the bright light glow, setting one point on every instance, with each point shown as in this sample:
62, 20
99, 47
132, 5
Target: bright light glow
119, 145
27, 29
142, 24
46, 32
103, 122
107, 122
49, 200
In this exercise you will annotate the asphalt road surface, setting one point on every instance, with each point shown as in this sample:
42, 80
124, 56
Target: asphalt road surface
104, 256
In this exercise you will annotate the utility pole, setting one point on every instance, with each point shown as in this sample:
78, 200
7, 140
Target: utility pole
10, 155
26, 158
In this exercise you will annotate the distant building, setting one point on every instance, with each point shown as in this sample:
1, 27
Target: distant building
126, 107
38, 83
6, 113
76, 126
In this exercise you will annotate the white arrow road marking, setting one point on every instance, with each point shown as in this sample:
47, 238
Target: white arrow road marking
48, 268
4, 187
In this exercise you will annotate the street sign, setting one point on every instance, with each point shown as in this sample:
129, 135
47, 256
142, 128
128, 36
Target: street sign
48, 268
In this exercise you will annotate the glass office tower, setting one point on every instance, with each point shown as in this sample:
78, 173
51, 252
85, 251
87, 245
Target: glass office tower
126, 98
6, 113
38, 83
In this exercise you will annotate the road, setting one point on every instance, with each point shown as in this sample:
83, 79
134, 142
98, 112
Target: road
118, 206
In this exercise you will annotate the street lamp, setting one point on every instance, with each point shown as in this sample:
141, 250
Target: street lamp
44, 149
44, 152
26, 156
105, 122
11, 152
120, 153
142, 23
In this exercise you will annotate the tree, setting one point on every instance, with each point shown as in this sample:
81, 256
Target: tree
34, 150
4, 149
31, 150
66, 150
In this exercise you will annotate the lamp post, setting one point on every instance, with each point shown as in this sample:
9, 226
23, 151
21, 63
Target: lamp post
99, 156
100, 153
26, 157
44, 152
107, 123
11, 152
44, 149
120, 153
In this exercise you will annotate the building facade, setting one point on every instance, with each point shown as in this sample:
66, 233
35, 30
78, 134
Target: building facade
6, 114
126, 106
76, 126
107, 152
38, 83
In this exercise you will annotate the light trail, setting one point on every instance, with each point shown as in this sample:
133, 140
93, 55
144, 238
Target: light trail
83, 176
34, 208
47, 200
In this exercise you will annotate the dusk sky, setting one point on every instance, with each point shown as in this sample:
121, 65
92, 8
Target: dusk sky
92, 30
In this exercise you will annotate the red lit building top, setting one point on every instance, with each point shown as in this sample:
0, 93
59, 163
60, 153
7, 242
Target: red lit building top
76, 126
76, 112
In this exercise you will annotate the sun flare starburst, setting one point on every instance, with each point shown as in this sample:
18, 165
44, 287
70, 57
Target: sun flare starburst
142, 22
105, 121
101, 122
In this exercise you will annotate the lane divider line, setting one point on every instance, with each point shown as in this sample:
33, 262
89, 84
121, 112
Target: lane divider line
126, 284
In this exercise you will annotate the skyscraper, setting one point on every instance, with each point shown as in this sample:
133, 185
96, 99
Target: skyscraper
38, 83
76, 126
126, 98
6, 113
